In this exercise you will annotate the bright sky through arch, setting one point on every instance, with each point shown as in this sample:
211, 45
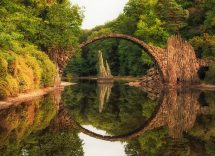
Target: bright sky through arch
98, 12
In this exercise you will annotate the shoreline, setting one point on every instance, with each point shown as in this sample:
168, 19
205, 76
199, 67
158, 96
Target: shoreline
31, 95
202, 86
117, 78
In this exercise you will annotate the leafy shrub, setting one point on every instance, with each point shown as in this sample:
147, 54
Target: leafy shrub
24, 76
37, 71
210, 75
48, 69
25, 70
12, 85
3, 91
3, 68
8, 87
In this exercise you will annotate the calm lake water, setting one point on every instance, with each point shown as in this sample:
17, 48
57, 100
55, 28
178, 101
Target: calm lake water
112, 119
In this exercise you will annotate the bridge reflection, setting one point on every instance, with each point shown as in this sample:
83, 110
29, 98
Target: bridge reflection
177, 109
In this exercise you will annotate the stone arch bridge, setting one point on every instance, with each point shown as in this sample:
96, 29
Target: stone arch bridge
177, 114
176, 63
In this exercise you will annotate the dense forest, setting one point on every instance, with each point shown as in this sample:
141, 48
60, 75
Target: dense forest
152, 21
33, 32
30, 29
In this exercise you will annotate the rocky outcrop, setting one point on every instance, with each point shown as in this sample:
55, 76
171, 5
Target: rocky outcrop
104, 69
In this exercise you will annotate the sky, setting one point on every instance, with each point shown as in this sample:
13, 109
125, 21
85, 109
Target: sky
96, 147
98, 12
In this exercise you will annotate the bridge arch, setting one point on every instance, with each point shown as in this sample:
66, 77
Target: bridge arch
146, 126
155, 53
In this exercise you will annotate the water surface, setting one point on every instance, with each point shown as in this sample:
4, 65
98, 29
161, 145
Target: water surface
114, 119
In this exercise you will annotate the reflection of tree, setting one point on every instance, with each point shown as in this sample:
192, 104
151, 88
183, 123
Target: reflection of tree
122, 114
23, 129
180, 112
182, 108
19, 121
177, 114
49, 143
133, 148
104, 91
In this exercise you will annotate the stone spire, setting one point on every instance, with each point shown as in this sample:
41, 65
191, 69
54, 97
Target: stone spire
104, 69
108, 70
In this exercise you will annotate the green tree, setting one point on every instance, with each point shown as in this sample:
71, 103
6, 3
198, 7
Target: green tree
173, 14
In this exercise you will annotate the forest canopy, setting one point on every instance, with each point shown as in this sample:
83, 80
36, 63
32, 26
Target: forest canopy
29, 30
152, 21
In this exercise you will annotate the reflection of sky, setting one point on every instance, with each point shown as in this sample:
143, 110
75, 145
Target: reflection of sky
96, 147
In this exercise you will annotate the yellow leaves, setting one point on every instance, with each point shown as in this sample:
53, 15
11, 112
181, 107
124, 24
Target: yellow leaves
3, 68
24, 71
13, 86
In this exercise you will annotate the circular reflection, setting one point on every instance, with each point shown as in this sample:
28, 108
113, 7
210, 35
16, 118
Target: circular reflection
127, 110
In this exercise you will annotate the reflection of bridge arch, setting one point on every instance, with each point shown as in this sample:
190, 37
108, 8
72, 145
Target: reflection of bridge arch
130, 135
177, 114
156, 54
